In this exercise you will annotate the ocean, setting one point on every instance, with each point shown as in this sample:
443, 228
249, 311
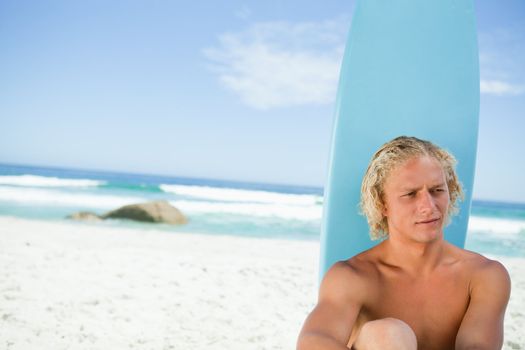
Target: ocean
217, 206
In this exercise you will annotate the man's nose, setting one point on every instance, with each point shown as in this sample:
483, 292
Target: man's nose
426, 202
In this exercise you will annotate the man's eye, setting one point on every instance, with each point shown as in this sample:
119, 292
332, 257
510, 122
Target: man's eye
410, 194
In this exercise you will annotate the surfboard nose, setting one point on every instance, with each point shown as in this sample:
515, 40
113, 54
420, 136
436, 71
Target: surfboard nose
409, 68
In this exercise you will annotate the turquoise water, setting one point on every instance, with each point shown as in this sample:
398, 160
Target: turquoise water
218, 207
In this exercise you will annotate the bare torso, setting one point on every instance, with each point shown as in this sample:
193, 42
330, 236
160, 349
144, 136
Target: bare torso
413, 283
433, 303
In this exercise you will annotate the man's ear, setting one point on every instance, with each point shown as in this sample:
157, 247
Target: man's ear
384, 209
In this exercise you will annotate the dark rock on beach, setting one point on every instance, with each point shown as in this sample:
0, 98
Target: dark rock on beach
155, 211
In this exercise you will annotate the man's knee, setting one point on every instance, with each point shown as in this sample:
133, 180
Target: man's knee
387, 334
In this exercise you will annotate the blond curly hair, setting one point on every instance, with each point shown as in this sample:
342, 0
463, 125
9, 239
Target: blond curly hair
391, 155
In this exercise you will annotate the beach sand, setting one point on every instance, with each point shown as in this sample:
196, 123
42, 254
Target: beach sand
67, 285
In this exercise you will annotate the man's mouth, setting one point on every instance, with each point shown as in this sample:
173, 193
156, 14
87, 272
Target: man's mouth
428, 221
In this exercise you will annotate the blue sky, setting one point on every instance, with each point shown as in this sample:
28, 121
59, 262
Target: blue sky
240, 90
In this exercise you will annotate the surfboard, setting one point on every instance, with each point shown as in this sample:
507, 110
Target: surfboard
409, 68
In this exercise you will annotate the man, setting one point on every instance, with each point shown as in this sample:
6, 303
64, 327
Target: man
413, 290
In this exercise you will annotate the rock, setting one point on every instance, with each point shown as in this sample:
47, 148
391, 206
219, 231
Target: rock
156, 211
84, 216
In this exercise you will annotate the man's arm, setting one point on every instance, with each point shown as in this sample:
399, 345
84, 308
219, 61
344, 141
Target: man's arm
329, 325
482, 325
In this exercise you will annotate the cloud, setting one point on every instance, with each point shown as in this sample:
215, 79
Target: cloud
502, 51
496, 87
281, 64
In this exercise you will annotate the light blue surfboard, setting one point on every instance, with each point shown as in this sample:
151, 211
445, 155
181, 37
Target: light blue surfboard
410, 68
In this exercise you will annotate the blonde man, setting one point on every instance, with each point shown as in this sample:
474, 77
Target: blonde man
413, 290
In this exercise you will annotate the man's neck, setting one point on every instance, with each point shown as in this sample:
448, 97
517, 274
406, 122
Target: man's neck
416, 258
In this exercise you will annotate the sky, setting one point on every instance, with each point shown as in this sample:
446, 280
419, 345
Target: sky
236, 90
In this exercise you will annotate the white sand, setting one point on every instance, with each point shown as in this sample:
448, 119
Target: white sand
79, 286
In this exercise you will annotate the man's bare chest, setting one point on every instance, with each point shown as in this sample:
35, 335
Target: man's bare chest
433, 307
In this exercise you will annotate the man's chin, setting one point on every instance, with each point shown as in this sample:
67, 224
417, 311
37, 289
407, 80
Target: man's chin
429, 234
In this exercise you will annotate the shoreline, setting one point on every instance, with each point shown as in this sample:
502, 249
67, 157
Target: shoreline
67, 285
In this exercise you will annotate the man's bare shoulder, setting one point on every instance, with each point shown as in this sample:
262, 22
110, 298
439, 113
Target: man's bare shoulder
365, 263
473, 260
480, 268
351, 278
486, 271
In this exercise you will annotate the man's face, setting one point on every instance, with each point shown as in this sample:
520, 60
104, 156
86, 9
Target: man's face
416, 200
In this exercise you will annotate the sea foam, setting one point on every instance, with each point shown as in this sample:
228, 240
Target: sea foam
59, 198
44, 181
496, 226
282, 211
238, 195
